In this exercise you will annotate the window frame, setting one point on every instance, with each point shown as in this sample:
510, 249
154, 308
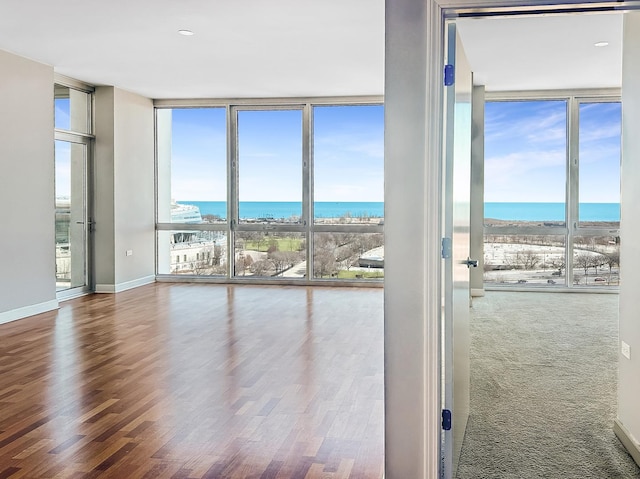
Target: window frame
87, 140
572, 228
232, 225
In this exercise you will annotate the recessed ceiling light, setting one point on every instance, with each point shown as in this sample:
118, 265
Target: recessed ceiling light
186, 33
601, 44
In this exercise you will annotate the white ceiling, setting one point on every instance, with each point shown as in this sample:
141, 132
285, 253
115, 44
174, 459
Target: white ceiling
286, 48
544, 52
241, 48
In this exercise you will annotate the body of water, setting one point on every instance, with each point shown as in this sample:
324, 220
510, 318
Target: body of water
551, 211
287, 209
327, 209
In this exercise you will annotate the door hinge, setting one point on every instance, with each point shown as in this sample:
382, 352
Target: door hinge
449, 75
446, 248
446, 419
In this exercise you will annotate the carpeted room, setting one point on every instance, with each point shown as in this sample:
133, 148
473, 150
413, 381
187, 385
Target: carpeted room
544, 388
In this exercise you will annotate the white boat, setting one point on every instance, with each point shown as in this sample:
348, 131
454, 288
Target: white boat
185, 213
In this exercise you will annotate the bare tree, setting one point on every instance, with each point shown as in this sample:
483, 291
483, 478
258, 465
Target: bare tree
515, 260
199, 267
558, 263
324, 253
584, 261
261, 267
612, 259
347, 255
240, 266
242, 263
279, 260
324, 263
597, 261
211, 218
217, 255
529, 260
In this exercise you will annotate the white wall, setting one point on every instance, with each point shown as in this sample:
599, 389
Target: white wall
27, 232
628, 424
124, 205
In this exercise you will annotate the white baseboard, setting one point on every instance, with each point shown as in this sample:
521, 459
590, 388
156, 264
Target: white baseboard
477, 292
20, 313
118, 288
105, 288
628, 441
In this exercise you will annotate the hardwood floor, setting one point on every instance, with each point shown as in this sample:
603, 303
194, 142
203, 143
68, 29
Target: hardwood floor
196, 381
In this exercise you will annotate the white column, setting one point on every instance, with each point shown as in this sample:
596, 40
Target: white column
627, 425
413, 122
125, 199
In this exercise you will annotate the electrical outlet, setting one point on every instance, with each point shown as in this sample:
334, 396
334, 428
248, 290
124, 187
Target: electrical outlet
129, 252
626, 350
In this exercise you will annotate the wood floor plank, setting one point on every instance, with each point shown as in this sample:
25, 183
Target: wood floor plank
196, 381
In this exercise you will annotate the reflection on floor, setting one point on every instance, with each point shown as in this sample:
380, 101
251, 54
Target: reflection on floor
195, 381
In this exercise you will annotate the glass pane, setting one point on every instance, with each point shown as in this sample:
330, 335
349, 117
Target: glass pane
199, 253
348, 155
270, 166
525, 162
270, 255
348, 255
71, 109
600, 136
70, 161
192, 165
524, 259
596, 261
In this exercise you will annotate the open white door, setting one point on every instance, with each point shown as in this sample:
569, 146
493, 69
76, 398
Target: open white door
455, 347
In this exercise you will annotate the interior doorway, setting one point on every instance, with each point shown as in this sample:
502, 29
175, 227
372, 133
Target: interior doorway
413, 134
578, 240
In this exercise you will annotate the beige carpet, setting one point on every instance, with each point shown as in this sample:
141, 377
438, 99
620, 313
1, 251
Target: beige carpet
543, 388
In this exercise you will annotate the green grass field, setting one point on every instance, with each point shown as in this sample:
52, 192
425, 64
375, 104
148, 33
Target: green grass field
283, 244
344, 274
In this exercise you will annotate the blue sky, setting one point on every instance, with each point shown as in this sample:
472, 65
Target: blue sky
525, 152
270, 155
349, 153
62, 118
198, 157
62, 149
600, 135
63, 169
348, 150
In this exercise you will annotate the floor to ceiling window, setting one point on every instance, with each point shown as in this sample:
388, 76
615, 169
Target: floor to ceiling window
271, 192
192, 191
73, 222
552, 192
348, 191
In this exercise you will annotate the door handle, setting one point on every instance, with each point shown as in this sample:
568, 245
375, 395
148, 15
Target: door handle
90, 223
471, 262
